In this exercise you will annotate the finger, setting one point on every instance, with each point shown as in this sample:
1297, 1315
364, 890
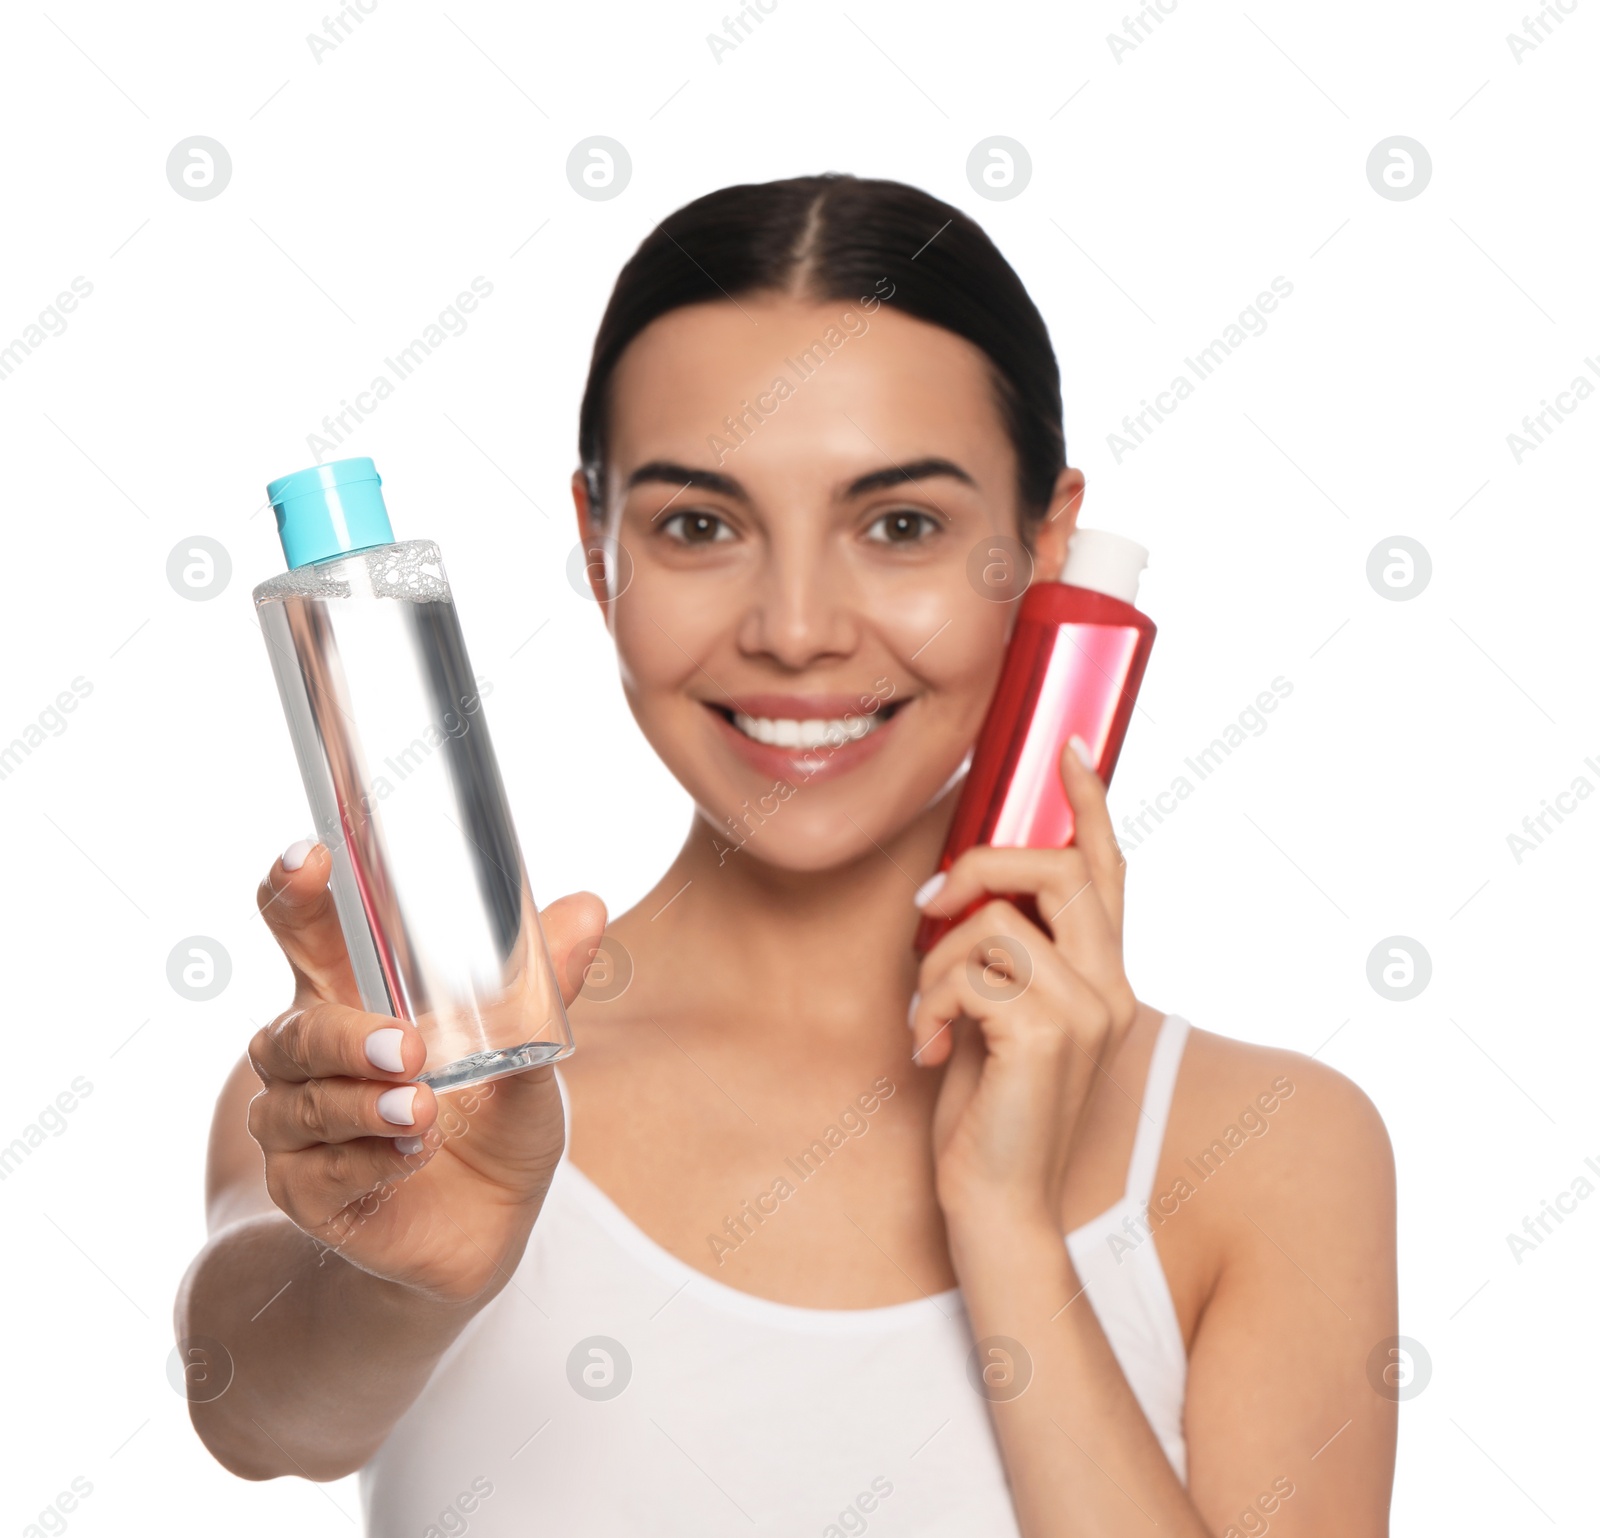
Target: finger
1072, 906
1092, 832
1080, 961
997, 923
329, 1191
286, 1117
984, 967
333, 1041
981, 964
295, 901
1054, 877
1070, 900
573, 927
995, 994
934, 1023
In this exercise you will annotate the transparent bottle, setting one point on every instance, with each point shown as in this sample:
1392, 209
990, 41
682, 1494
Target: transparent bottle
388, 726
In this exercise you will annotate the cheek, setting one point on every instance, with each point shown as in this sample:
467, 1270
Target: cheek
953, 647
935, 621
662, 627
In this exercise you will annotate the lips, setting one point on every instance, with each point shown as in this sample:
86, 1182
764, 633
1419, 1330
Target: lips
805, 737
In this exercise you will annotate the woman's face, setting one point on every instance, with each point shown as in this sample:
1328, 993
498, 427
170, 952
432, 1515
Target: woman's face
807, 497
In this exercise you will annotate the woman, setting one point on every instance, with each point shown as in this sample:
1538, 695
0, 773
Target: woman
758, 1258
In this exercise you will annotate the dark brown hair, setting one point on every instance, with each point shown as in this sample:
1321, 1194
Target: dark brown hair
836, 236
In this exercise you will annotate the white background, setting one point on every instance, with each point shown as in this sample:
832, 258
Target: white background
1168, 187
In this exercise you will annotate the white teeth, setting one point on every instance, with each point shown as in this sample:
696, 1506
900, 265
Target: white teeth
785, 733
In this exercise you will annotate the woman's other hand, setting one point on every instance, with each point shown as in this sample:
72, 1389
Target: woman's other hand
1023, 1016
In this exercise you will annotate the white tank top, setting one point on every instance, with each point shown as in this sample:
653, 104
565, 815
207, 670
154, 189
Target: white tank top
611, 1389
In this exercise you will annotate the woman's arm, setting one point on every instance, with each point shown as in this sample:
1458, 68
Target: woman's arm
339, 1265
1284, 1426
319, 1358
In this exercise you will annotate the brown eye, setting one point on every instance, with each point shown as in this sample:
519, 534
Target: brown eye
904, 526
696, 528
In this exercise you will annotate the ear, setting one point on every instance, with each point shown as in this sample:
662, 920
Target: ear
594, 561
1055, 529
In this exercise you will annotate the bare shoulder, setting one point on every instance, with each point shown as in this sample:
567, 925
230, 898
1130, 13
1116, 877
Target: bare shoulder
1220, 1072
1298, 1141
1285, 1281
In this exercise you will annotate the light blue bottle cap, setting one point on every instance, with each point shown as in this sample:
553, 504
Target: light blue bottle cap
330, 510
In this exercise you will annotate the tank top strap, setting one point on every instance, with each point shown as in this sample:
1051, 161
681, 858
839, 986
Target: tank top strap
1160, 1079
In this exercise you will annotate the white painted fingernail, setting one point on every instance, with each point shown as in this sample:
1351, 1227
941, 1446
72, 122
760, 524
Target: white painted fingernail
1081, 748
295, 855
394, 1105
930, 889
384, 1049
911, 1013
408, 1145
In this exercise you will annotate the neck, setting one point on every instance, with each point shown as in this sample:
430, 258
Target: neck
824, 952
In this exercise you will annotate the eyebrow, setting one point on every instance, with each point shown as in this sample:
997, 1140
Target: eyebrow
686, 476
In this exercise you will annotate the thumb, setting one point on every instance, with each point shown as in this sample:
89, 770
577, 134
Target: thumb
574, 927
295, 900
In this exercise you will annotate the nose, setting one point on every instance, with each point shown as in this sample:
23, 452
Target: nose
802, 610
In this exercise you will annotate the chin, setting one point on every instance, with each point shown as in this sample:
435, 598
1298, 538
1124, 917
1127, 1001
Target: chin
815, 828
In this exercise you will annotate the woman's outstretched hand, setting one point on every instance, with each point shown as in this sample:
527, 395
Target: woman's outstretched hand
436, 1195
1024, 1016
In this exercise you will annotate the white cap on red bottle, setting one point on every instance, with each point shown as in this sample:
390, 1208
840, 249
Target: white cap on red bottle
1105, 563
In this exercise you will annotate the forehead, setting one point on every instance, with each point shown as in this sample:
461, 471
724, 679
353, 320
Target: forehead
803, 387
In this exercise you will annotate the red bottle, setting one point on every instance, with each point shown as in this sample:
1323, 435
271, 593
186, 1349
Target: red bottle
1073, 665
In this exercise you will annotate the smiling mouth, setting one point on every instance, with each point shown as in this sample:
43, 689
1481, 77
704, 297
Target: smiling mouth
810, 734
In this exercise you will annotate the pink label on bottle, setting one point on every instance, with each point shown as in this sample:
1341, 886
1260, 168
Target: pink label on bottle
1080, 692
